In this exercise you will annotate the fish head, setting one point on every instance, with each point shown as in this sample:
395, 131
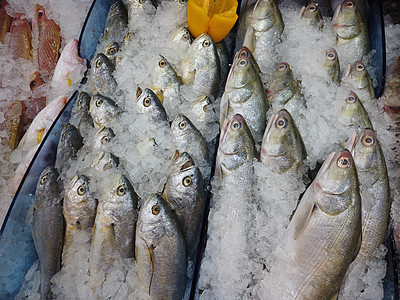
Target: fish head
82, 103
119, 192
365, 149
101, 64
181, 126
111, 51
40, 14
242, 72
331, 56
351, 106
311, 13
148, 103
357, 75
281, 78
347, 21
105, 161
103, 110
35, 80
263, 16
48, 187
203, 47
102, 137
183, 37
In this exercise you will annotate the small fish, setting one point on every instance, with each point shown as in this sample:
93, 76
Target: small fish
116, 23
79, 207
20, 45
49, 41
236, 152
103, 81
326, 224
102, 138
114, 228
374, 189
5, 20
111, 51
105, 161
353, 114
244, 94
282, 147
184, 194
357, 75
149, 104
69, 144
332, 65
81, 112
13, 124
103, 110
48, 227
166, 83
350, 29
201, 69
68, 68
312, 15
160, 251
392, 87
284, 91
187, 138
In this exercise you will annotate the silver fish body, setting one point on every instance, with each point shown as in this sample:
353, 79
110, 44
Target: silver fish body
48, 227
103, 82
69, 144
104, 110
160, 251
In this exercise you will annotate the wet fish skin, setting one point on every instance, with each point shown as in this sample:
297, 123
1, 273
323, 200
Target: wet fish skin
351, 29
81, 111
244, 94
160, 251
223, 64
102, 138
48, 227
183, 38
103, 81
116, 23
353, 114
149, 104
187, 138
282, 147
105, 161
184, 194
69, 144
111, 51
392, 86
114, 229
332, 65
374, 188
357, 75
312, 15
20, 44
5, 20
13, 124
201, 69
103, 110
49, 41
200, 107
326, 224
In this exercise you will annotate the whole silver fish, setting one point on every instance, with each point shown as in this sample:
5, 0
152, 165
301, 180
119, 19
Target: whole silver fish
111, 51
116, 23
187, 138
201, 69
81, 112
325, 225
48, 227
282, 147
160, 251
102, 138
114, 228
104, 110
149, 104
312, 15
102, 79
353, 114
184, 194
244, 94
332, 65
69, 144
284, 91
357, 75
374, 189
351, 29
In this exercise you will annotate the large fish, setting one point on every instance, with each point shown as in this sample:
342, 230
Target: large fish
244, 94
103, 81
20, 45
114, 228
201, 69
332, 65
49, 41
325, 231
184, 194
5, 20
374, 189
357, 75
48, 227
116, 23
282, 147
103, 110
69, 144
160, 251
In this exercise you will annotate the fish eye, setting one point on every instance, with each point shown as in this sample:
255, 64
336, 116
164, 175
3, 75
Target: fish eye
281, 122
187, 181
40, 14
349, 4
237, 125
99, 63
162, 63
360, 67
282, 67
81, 190
111, 51
331, 56
121, 190
351, 99
155, 209
146, 102
206, 43
43, 180
243, 62
185, 36
312, 8
343, 162
32, 84
182, 124
105, 139
182, 1
368, 140
98, 102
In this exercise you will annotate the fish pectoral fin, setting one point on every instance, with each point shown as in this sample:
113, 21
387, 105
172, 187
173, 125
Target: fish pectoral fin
303, 213
152, 260
249, 40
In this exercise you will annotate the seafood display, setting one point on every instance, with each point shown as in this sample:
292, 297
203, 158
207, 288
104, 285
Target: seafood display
184, 169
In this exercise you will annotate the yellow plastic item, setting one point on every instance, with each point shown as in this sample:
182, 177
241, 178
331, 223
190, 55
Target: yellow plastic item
215, 17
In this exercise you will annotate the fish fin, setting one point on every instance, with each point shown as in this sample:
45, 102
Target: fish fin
224, 110
152, 259
249, 40
218, 170
303, 213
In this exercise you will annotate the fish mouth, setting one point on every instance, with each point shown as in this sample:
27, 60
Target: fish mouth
336, 14
268, 128
351, 143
